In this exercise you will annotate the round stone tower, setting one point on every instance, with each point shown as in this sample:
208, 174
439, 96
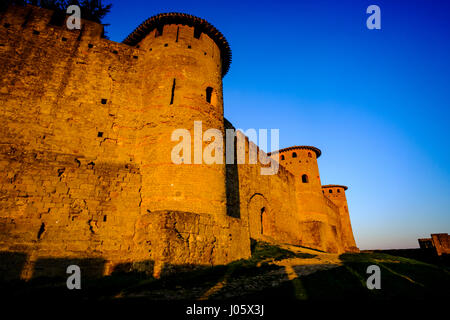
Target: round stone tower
301, 161
336, 193
182, 69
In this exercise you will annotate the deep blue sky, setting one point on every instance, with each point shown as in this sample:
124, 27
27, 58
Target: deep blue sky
376, 102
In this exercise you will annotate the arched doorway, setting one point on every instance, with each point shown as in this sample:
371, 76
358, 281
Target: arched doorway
258, 216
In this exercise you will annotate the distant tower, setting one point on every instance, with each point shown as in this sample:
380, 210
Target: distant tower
301, 161
182, 70
336, 193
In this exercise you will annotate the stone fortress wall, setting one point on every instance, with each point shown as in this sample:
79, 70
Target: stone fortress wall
85, 153
439, 243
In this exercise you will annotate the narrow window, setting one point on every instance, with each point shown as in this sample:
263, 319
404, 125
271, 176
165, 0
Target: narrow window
263, 210
197, 33
304, 178
159, 31
209, 92
173, 91
294, 155
309, 155
178, 31
339, 190
41, 231
282, 157
330, 191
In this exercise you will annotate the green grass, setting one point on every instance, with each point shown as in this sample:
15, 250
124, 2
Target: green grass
401, 278
263, 250
205, 277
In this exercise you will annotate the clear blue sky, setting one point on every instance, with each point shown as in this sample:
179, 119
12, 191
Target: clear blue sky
376, 102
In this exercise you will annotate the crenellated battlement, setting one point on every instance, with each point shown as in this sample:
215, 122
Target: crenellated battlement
184, 29
39, 20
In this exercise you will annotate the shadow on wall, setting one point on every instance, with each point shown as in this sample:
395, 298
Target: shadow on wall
232, 181
11, 265
49, 278
57, 267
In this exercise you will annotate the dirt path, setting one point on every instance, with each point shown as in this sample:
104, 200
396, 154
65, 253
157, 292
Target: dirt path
272, 274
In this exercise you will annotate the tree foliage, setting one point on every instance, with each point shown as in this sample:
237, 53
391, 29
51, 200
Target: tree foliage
93, 10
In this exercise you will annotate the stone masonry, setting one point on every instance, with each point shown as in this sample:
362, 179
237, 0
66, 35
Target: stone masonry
439, 243
85, 155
